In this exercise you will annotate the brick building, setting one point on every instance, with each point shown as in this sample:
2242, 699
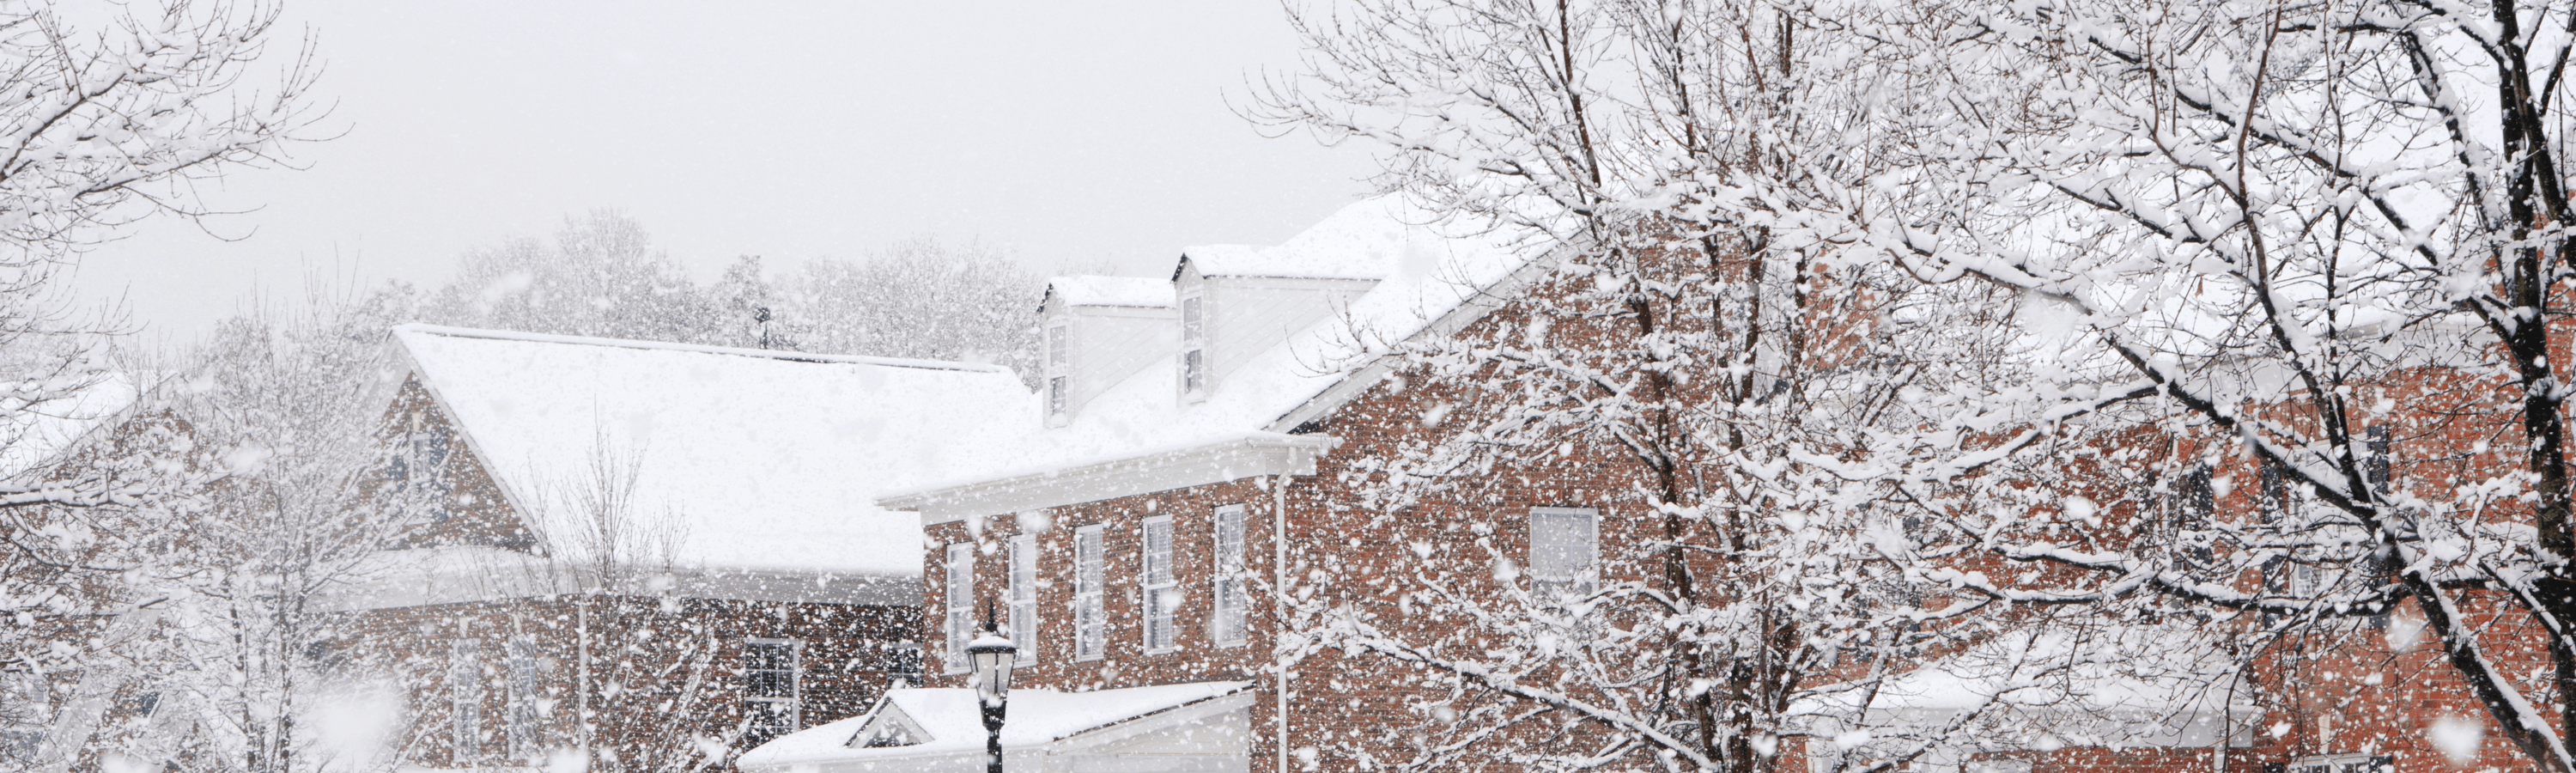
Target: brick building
1207, 437
646, 552
1198, 428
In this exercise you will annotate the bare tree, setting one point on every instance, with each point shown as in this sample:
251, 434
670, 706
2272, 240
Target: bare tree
1715, 316
2324, 234
107, 118
921, 299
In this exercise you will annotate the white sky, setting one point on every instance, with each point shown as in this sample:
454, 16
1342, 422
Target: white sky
1076, 133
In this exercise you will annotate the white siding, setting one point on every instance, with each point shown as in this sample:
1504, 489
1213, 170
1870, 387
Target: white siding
1249, 315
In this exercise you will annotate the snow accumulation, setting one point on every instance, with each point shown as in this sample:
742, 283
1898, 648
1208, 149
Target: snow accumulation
35, 435
2045, 686
462, 573
1132, 291
749, 459
1377, 238
1426, 269
953, 722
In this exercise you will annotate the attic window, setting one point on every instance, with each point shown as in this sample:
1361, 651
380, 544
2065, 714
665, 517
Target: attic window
1193, 346
416, 470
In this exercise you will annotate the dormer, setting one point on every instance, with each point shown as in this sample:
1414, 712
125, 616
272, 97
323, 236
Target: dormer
1098, 330
1236, 302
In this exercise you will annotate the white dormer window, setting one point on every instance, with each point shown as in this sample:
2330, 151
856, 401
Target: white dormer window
1194, 378
1059, 374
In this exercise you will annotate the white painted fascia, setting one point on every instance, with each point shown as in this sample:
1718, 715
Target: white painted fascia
1236, 459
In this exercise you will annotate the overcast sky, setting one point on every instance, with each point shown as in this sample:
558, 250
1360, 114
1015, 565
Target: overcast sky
1075, 133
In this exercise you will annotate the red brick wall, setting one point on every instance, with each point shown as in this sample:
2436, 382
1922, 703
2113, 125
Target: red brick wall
654, 675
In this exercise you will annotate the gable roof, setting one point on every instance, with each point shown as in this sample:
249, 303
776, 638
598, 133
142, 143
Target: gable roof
759, 459
36, 435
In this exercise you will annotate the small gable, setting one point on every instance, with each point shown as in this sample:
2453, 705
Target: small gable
890, 727
428, 478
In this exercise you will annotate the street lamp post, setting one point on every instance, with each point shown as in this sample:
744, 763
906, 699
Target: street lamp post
991, 655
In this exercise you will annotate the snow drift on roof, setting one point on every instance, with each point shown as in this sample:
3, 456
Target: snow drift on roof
955, 721
1135, 291
757, 460
36, 434
1374, 239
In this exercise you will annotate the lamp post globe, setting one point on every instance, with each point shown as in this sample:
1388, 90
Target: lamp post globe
990, 656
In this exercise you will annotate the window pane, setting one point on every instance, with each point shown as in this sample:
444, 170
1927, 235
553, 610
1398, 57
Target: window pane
1229, 538
961, 575
1024, 573
1159, 605
1088, 576
1229, 610
1561, 545
768, 656
1158, 552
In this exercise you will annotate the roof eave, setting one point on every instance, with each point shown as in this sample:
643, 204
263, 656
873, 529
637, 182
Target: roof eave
1228, 460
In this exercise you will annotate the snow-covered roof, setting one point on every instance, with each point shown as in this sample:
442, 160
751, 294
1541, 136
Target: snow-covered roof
2145, 687
954, 721
32, 436
759, 459
1130, 291
1373, 239
1428, 270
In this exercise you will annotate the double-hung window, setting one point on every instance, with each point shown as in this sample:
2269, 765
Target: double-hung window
1024, 596
1565, 553
1231, 596
769, 684
1090, 576
465, 701
525, 743
1059, 375
1194, 380
1162, 599
960, 625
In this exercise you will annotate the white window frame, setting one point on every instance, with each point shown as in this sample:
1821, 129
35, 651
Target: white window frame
1090, 581
1023, 596
1229, 596
1159, 597
1554, 585
2347, 762
465, 701
1059, 373
958, 599
526, 741
793, 702
1193, 365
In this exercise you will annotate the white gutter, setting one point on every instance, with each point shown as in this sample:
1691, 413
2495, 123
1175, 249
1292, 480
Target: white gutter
1236, 459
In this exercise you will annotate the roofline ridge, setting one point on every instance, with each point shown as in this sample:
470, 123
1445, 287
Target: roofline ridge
631, 343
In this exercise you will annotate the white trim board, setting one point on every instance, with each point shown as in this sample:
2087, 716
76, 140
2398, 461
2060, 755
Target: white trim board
1236, 459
